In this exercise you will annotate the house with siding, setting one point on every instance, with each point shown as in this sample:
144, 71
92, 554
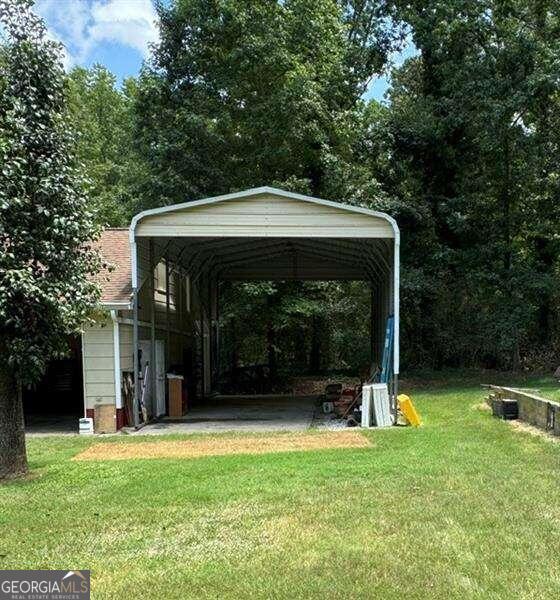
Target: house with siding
107, 344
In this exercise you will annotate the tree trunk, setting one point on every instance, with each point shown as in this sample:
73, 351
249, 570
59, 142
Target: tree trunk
13, 458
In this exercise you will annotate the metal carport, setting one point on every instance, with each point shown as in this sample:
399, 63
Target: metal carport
259, 234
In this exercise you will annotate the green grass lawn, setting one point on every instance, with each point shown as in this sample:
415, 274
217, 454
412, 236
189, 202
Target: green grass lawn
463, 507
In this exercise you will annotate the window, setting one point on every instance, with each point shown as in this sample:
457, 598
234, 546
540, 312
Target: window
160, 277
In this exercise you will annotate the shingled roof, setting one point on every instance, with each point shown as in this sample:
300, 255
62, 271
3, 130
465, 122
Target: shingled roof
116, 282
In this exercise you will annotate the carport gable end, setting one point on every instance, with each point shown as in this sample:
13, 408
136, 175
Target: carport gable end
267, 233
276, 213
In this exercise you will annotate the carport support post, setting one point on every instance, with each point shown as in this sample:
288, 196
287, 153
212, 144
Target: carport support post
214, 327
396, 312
152, 376
372, 332
167, 309
207, 335
117, 362
136, 401
217, 317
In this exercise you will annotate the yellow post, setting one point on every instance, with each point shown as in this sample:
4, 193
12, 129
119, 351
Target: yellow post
408, 410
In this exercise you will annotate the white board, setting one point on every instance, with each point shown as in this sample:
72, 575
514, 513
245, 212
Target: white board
381, 405
366, 406
377, 408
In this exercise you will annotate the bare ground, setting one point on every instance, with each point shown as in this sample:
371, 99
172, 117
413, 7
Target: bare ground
224, 446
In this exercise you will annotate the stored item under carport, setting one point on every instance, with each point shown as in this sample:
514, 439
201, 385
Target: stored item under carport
376, 409
345, 402
408, 410
328, 407
333, 389
333, 392
505, 408
177, 400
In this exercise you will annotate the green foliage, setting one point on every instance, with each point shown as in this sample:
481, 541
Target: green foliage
307, 327
473, 131
45, 220
101, 115
239, 94
242, 94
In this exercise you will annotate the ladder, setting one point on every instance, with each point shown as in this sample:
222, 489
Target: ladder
387, 362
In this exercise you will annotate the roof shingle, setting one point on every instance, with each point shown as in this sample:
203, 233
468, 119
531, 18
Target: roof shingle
116, 284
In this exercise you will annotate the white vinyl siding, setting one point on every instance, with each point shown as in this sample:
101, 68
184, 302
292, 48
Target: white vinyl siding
99, 364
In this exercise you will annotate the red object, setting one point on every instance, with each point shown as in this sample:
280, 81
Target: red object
121, 418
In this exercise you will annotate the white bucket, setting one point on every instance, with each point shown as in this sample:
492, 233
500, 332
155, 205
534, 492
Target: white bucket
86, 426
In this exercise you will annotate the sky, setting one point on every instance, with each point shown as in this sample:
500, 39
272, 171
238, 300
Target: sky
379, 86
117, 34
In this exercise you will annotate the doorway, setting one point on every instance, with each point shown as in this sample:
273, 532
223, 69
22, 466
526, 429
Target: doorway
156, 406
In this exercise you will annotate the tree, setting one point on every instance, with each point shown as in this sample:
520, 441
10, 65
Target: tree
470, 127
46, 262
297, 327
101, 114
373, 31
240, 94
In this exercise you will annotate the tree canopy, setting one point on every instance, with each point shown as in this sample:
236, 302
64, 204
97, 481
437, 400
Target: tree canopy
473, 136
463, 152
246, 93
100, 114
46, 262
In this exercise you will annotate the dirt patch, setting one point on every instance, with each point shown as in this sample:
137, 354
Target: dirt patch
224, 446
530, 429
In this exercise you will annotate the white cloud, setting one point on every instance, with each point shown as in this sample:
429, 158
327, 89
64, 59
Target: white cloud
82, 25
130, 22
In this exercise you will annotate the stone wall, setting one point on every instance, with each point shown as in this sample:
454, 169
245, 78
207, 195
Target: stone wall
537, 411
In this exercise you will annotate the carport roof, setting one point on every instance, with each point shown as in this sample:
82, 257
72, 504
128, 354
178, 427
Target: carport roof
267, 233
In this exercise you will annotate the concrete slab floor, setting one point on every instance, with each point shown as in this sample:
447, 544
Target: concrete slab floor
41, 425
240, 413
